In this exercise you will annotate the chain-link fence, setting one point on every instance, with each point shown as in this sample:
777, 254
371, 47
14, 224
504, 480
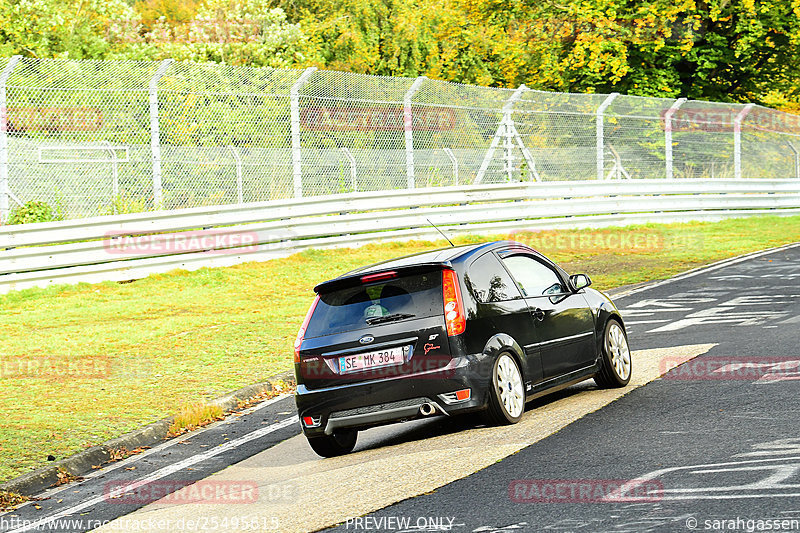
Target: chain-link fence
103, 137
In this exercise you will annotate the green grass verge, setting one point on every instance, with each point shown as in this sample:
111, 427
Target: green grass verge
159, 343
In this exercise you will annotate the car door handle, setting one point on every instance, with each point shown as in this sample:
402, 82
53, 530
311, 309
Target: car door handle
538, 314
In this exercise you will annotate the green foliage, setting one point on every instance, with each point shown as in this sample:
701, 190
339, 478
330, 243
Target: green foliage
719, 50
248, 32
125, 205
729, 50
34, 211
78, 29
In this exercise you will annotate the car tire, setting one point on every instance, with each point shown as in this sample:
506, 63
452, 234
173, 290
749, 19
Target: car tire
506, 392
616, 365
339, 443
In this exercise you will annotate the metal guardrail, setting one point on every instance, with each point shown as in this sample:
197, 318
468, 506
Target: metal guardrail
125, 247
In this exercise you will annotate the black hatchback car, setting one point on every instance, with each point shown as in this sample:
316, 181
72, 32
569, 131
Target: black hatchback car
478, 328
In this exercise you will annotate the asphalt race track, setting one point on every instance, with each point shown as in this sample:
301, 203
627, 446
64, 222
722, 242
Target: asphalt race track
721, 446
713, 445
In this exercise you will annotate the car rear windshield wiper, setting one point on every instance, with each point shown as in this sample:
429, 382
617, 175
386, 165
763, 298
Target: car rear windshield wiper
388, 318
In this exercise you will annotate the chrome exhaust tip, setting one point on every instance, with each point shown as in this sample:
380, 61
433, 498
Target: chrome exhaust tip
427, 409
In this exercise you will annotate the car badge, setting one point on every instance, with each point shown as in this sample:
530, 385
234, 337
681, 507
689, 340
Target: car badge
366, 339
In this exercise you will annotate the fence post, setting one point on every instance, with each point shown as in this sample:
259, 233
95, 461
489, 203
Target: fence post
294, 111
408, 128
504, 131
600, 118
737, 140
155, 133
4, 192
668, 134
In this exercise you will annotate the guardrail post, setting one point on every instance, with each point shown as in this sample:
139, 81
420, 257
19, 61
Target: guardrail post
4, 192
668, 134
737, 140
294, 111
600, 141
239, 191
155, 134
408, 128
505, 131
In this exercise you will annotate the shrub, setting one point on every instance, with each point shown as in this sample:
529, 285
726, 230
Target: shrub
125, 205
34, 211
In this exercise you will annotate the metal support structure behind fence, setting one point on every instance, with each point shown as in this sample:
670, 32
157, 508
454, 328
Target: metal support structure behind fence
504, 133
353, 169
796, 159
239, 187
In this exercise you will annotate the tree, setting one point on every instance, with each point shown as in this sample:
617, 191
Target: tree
79, 29
720, 50
246, 32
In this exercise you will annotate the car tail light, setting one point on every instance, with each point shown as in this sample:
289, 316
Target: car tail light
453, 306
380, 276
302, 333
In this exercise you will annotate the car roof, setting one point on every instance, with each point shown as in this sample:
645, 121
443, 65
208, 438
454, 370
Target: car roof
444, 256
448, 257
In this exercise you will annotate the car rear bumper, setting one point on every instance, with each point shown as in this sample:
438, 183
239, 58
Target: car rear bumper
383, 401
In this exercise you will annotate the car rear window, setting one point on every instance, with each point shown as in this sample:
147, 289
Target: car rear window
418, 296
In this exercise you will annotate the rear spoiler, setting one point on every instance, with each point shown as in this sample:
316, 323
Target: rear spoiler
353, 279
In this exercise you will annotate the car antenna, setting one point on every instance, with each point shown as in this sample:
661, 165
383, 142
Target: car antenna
440, 231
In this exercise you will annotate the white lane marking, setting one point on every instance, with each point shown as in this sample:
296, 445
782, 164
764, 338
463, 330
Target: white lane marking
781, 469
671, 302
793, 320
156, 449
164, 472
650, 312
632, 322
708, 268
786, 446
722, 315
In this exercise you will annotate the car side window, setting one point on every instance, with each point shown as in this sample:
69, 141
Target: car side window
489, 281
534, 278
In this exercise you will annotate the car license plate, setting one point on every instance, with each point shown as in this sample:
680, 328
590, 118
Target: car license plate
365, 361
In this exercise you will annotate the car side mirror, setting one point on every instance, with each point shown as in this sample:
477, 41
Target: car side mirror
580, 281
